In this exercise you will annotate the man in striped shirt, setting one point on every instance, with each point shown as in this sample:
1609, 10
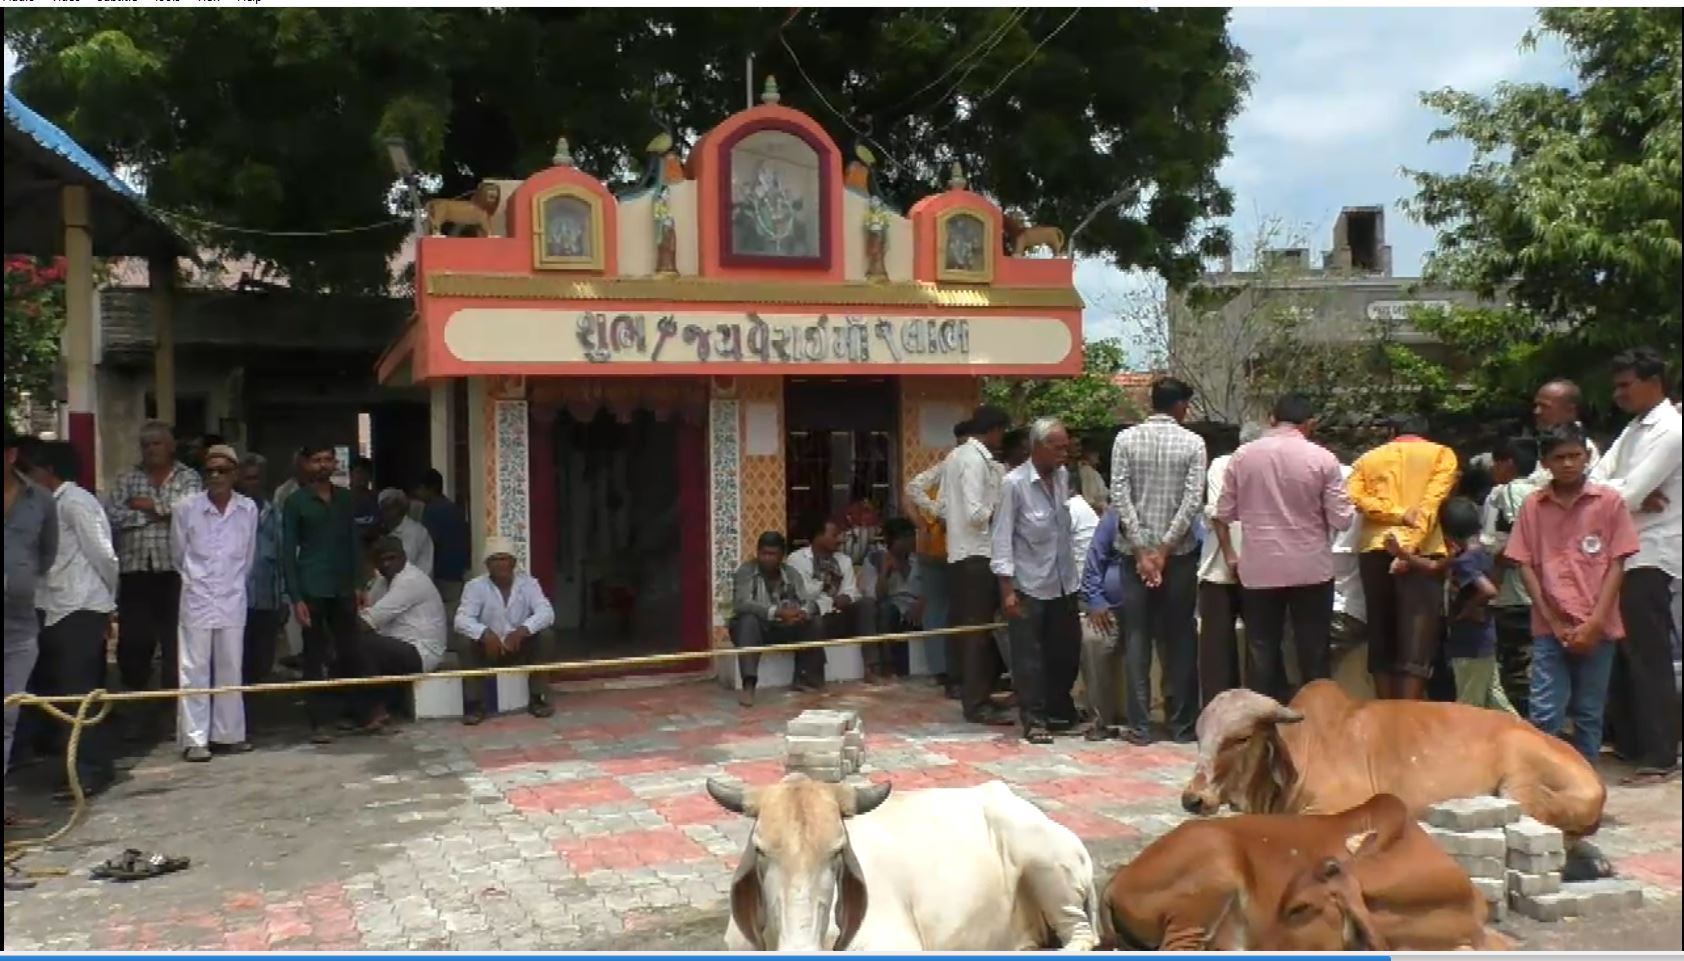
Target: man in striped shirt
149, 589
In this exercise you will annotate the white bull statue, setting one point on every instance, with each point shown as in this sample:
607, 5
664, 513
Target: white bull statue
847, 867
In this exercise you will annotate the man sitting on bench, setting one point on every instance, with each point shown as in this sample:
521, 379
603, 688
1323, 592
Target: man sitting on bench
404, 628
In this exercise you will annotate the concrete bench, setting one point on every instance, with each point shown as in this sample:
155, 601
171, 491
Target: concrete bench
842, 663
442, 696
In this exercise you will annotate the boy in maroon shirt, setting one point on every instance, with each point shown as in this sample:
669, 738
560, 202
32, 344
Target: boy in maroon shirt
1570, 541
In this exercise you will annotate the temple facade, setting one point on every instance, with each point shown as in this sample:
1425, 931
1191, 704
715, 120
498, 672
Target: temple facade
634, 387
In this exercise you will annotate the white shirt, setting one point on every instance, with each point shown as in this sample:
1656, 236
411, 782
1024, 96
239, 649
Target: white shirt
483, 607
970, 491
213, 549
417, 544
409, 609
1647, 458
1348, 598
1083, 522
1213, 567
84, 576
802, 562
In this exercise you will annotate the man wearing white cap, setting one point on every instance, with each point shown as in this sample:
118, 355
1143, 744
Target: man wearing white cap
502, 613
213, 538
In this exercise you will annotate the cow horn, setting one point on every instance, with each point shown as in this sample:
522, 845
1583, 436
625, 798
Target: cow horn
864, 798
1285, 715
730, 797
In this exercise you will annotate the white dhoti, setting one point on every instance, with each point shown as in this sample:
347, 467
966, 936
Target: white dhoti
210, 657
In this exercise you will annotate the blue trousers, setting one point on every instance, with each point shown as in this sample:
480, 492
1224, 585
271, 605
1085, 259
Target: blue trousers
1574, 687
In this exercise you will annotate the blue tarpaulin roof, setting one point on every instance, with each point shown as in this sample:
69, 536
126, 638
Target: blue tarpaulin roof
122, 224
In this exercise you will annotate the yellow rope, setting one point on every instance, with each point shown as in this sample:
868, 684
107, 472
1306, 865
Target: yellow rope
104, 700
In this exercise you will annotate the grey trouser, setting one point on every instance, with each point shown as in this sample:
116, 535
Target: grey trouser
21, 651
1102, 656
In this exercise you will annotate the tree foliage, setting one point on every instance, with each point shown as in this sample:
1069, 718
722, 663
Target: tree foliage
34, 320
271, 120
1090, 401
1569, 213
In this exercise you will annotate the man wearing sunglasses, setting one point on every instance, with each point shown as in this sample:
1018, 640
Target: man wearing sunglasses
213, 538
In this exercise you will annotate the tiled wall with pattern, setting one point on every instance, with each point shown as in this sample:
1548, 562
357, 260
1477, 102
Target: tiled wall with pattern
917, 393
763, 478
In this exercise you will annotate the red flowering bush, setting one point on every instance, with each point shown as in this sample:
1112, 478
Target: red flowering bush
34, 321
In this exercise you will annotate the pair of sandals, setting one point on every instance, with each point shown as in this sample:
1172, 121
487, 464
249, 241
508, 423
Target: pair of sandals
136, 865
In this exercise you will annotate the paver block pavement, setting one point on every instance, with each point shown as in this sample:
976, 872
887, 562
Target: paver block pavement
588, 829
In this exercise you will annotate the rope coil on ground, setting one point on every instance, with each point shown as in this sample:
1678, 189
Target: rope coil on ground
85, 715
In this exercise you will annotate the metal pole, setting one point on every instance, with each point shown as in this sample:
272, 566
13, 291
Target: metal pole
748, 83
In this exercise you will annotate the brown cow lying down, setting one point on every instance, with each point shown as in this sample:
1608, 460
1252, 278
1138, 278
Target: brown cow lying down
1327, 752
1366, 879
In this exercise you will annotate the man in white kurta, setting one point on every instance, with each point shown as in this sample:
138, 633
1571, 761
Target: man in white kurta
213, 538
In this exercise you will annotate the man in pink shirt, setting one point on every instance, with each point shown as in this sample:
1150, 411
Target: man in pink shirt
1288, 496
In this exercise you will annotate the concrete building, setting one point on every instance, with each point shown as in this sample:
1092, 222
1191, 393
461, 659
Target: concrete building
1218, 330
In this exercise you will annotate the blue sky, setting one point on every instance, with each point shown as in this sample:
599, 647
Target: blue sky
1334, 114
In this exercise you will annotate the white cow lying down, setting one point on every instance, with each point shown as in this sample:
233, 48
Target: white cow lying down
949, 869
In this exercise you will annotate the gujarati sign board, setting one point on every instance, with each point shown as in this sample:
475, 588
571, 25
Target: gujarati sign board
605, 340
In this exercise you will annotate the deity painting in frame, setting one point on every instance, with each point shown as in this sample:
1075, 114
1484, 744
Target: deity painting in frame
567, 230
964, 248
776, 201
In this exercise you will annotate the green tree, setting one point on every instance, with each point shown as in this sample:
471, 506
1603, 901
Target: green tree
270, 120
1568, 215
34, 320
1088, 401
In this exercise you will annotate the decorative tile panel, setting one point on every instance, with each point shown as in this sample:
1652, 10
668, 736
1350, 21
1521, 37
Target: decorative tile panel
915, 392
762, 480
511, 467
724, 503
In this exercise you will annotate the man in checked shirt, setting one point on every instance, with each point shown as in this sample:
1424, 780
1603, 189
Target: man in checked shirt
1157, 487
148, 588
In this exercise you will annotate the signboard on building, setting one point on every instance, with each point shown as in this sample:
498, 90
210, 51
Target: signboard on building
1397, 311
500, 335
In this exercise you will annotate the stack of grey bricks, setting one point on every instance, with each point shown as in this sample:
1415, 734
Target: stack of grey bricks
1516, 862
824, 745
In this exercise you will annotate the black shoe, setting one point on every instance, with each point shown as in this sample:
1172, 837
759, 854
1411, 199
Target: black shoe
238, 747
540, 707
474, 715
1139, 737
745, 696
992, 717
1037, 735
1100, 732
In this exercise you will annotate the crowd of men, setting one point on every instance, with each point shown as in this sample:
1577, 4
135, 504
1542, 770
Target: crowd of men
1550, 590
205, 573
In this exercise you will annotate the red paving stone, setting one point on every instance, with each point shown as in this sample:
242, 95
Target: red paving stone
497, 759
641, 764
974, 752
1102, 789
1089, 826
694, 808
756, 772
625, 852
1662, 868
934, 776
570, 795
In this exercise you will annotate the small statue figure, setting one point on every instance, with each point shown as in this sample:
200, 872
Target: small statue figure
957, 181
666, 234
876, 240
770, 93
563, 156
